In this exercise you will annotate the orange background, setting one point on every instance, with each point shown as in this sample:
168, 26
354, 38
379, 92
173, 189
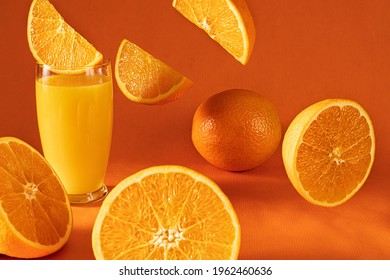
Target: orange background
305, 51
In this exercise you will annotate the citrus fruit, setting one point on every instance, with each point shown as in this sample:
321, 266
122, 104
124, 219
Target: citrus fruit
35, 214
54, 42
166, 212
228, 22
236, 129
328, 151
145, 79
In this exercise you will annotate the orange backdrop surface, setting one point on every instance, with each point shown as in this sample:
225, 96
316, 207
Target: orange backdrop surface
305, 51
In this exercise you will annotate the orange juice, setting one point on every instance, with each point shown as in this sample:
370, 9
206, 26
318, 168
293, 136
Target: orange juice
75, 117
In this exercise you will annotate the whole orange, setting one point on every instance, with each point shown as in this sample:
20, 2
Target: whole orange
236, 129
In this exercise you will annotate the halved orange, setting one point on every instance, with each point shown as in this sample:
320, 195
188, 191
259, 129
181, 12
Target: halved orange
35, 213
228, 22
54, 42
145, 79
166, 213
328, 151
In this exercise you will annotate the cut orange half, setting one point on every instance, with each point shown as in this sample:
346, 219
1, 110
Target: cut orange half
166, 213
54, 42
35, 213
328, 151
228, 22
145, 79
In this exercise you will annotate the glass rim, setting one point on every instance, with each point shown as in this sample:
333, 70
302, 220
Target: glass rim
104, 62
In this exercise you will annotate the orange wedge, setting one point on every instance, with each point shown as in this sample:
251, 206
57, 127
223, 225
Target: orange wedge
54, 42
328, 151
35, 213
145, 79
166, 213
228, 22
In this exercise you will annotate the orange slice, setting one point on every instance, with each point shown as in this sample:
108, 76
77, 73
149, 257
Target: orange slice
228, 22
145, 79
54, 42
166, 212
35, 214
328, 151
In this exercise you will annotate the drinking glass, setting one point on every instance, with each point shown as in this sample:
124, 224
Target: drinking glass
75, 116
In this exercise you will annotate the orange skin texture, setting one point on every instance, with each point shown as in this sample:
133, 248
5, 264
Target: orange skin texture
236, 129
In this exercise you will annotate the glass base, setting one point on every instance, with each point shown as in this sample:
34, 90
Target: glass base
88, 197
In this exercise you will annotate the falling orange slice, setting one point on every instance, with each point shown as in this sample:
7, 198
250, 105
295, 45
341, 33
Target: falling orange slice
54, 42
35, 213
145, 79
166, 212
228, 22
328, 151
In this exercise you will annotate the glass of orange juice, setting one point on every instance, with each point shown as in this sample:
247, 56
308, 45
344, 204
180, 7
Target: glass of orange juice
75, 116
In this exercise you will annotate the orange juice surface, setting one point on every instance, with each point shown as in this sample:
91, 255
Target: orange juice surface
75, 123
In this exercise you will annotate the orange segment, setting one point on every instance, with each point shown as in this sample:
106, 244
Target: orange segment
328, 151
166, 212
228, 22
146, 79
35, 214
54, 42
